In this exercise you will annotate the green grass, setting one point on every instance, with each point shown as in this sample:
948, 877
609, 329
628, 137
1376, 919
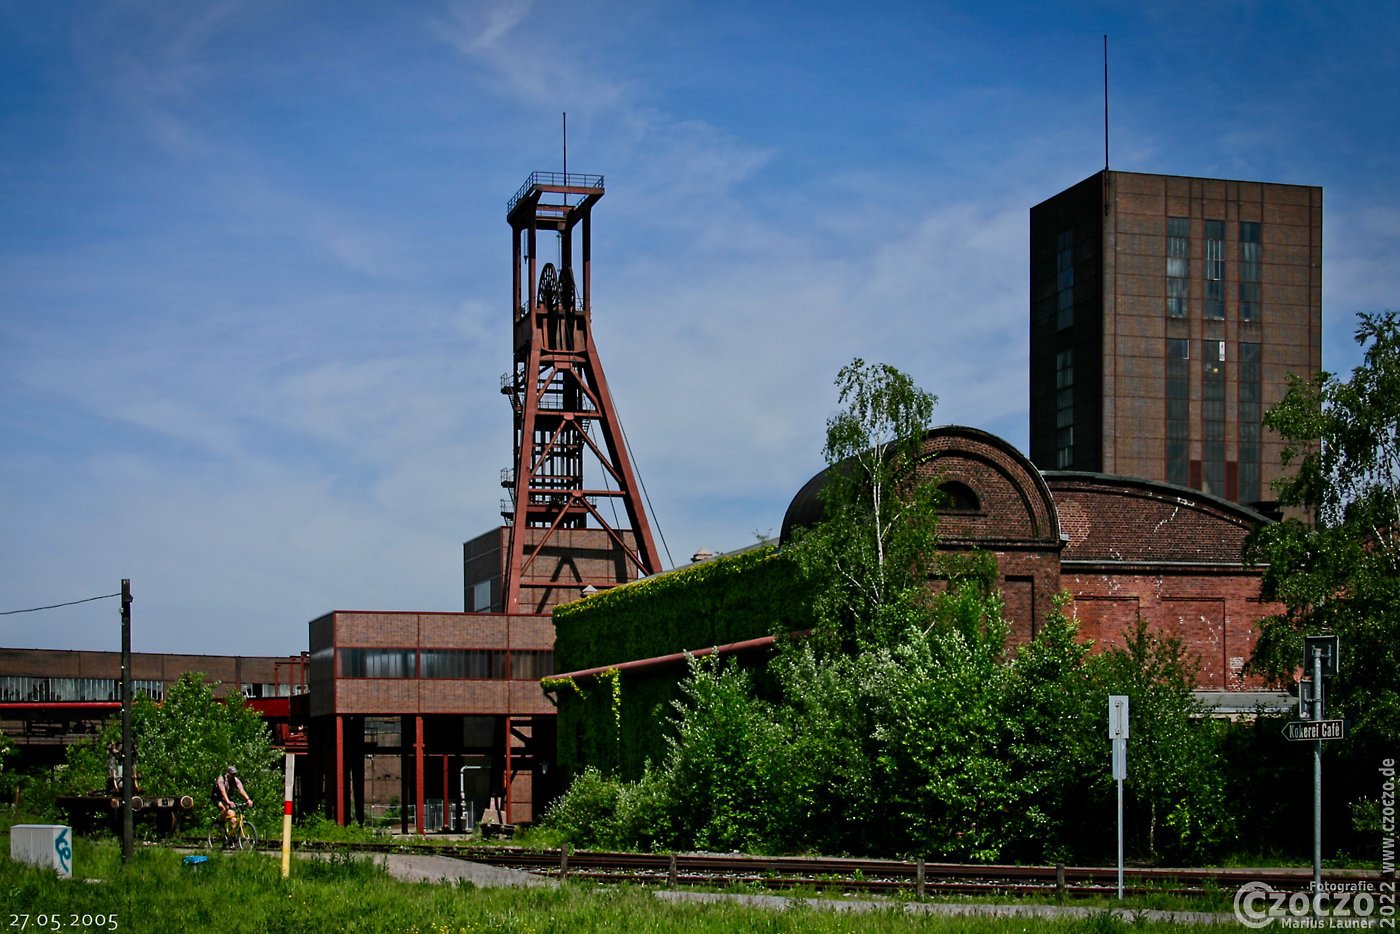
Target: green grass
244, 892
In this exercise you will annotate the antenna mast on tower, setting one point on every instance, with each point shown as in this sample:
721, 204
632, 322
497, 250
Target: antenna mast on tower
1105, 102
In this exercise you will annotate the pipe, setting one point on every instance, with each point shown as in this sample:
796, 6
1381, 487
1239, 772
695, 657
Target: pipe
675, 658
462, 792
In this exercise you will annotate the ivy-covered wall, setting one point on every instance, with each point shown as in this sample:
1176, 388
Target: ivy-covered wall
617, 721
743, 596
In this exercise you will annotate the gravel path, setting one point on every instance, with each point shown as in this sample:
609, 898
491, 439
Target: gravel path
415, 868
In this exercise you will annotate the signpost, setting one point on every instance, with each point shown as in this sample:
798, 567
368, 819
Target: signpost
1118, 733
1321, 657
1317, 730
289, 783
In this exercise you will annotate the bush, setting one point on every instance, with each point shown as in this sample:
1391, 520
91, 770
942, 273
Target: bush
1176, 805
942, 745
182, 745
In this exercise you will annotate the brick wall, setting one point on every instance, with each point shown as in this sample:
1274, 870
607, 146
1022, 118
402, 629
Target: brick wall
1212, 613
332, 694
1014, 518
1123, 519
1170, 554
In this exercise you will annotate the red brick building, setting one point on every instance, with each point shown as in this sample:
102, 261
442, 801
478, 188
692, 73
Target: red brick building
1170, 554
1118, 546
440, 711
52, 697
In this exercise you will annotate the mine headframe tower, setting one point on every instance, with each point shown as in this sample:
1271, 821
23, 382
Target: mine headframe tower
564, 413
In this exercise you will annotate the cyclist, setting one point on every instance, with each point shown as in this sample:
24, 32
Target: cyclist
225, 786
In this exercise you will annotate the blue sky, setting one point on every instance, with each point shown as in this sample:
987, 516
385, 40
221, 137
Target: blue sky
254, 266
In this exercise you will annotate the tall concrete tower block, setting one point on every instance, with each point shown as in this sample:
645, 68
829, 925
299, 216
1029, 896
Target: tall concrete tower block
1165, 316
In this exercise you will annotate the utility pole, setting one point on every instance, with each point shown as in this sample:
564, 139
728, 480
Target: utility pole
128, 753
1321, 659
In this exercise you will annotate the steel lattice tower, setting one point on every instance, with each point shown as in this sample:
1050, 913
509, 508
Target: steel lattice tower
564, 414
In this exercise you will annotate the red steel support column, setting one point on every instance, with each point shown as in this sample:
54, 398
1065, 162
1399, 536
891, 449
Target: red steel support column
418, 771
405, 773
340, 770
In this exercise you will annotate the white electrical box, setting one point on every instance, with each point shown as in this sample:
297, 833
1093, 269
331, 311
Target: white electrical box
47, 845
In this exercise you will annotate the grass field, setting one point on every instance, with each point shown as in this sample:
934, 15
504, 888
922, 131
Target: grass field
245, 892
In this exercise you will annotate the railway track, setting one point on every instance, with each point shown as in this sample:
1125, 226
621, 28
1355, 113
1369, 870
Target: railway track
916, 877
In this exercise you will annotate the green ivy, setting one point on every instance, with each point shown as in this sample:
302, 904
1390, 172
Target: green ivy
744, 596
730, 599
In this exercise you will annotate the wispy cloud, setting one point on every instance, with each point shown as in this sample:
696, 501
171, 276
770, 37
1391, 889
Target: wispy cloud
152, 60
254, 279
533, 56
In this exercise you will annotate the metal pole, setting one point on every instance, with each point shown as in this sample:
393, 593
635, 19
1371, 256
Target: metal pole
1318, 707
128, 752
289, 782
1120, 838
1105, 102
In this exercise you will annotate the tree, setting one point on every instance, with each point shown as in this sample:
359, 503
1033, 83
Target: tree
1176, 787
1339, 570
868, 558
941, 732
7, 779
1056, 746
182, 744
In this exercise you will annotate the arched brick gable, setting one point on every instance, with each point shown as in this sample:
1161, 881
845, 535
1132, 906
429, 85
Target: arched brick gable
1119, 546
1015, 520
1126, 519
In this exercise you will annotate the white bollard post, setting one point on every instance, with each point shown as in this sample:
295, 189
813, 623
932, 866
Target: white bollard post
288, 784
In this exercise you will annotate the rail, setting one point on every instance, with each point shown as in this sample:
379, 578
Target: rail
856, 875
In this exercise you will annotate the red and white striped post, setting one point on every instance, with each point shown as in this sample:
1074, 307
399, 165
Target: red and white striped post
287, 816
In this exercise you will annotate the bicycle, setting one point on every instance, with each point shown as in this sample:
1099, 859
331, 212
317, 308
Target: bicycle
234, 832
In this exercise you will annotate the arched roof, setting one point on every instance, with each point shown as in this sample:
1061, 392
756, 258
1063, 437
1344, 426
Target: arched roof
1014, 504
1130, 519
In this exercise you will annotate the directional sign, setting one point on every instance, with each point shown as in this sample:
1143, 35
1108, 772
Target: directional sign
1315, 730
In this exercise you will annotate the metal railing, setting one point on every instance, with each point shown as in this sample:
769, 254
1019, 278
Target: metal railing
557, 179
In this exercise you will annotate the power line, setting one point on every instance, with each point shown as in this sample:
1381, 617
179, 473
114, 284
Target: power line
106, 596
627, 445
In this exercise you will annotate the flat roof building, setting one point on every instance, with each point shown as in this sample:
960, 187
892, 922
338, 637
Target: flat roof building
1166, 314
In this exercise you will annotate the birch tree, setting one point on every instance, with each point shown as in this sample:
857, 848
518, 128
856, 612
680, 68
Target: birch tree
869, 557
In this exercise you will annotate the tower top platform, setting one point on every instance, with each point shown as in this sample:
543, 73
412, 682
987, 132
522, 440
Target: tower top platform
569, 183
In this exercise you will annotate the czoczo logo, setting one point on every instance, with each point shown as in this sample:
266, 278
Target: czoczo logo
1258, 905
